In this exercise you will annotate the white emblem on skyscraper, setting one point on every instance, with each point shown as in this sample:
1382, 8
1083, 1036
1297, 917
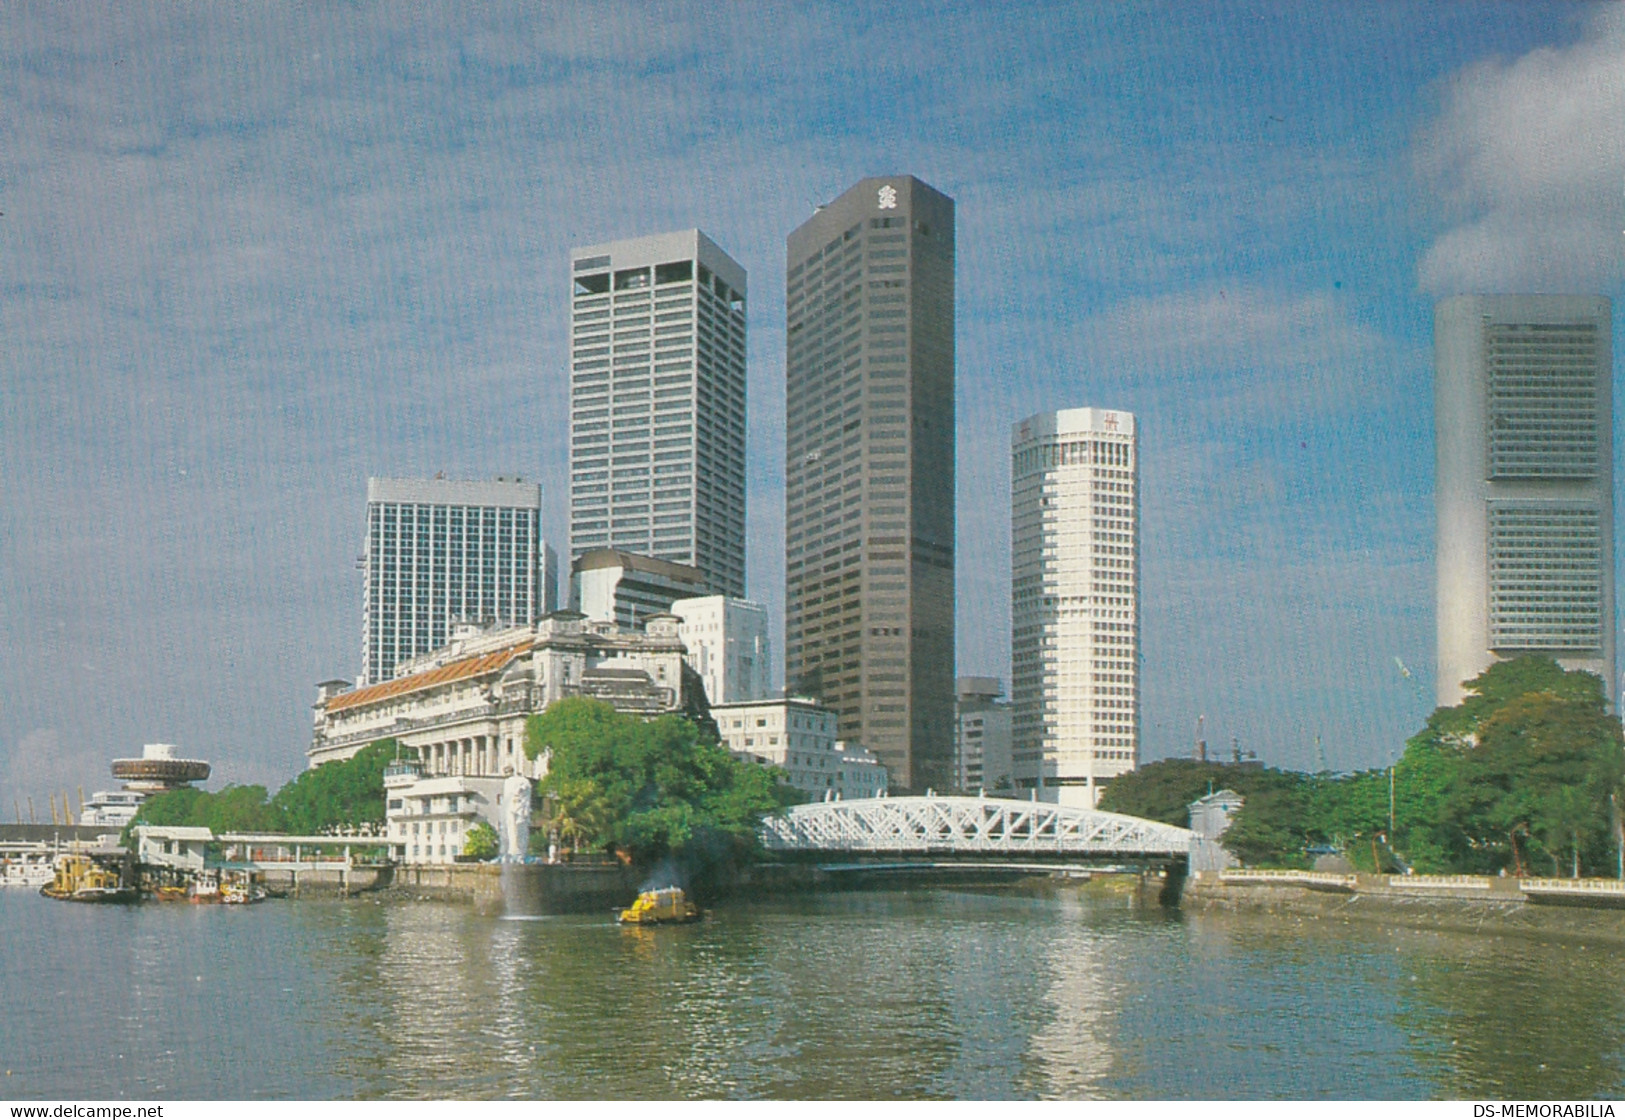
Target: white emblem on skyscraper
888, 197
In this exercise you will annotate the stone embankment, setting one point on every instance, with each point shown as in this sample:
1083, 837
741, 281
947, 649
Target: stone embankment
1584, 908
529, 888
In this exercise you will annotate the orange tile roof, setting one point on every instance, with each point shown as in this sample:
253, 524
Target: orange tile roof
455, 671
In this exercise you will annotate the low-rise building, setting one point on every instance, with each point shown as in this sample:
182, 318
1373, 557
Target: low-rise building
799, 737
982, 740
1209, 820
182, 847
428, 818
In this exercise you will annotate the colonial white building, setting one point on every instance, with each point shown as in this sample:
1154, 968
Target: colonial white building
798, 736
463, 708
727, 645
428, 818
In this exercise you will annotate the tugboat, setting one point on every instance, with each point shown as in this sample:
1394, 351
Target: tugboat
667, 906
81, 879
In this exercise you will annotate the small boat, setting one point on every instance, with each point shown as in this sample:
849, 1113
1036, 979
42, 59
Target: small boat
27, 869
667, 906
79, 878
241, 886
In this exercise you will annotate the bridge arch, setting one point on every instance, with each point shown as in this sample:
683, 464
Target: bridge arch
970, 826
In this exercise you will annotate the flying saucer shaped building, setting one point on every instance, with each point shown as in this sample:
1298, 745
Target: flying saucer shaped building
158, 769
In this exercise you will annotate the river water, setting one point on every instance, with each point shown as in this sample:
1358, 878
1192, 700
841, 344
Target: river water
916, 994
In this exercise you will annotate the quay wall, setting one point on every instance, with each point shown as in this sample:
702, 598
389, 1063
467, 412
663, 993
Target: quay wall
1464, 904
530, 888
337, 880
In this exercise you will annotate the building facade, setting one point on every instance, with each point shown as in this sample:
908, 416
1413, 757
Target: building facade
1523, 484
462, 708
983, 721
727, 645
1075, 602
869, 466
799, 737
442, 552
627, 589
657, 404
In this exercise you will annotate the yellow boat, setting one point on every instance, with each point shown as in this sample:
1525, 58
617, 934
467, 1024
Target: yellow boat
81, 879
669, 905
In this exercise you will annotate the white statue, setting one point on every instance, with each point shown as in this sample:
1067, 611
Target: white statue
515, 806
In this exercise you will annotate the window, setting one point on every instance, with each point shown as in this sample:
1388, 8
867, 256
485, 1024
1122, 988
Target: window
675, 272
592, 285
627, 279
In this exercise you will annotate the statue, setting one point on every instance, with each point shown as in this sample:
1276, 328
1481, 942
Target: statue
514, 803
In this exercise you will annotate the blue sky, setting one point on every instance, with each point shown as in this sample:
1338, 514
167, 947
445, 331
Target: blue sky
251, 255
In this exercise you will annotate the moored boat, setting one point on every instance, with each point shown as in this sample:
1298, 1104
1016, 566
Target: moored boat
79, 878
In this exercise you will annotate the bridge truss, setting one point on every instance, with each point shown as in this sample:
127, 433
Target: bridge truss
970, 826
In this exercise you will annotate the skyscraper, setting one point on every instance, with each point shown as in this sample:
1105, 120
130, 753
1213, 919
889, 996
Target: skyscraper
869, 487
440, 552
1075, 602
1524, 484
657, 404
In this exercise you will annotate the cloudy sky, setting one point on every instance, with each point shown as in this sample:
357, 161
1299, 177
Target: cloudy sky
252, 254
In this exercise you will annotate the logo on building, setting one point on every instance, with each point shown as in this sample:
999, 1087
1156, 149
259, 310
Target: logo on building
1111, 421
888, 197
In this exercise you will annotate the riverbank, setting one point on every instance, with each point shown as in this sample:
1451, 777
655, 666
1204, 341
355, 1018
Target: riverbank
1583, 910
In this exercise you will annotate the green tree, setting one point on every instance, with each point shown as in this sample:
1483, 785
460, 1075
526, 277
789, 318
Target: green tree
480, 842
335, 794
1523, 769
233, 809
649, 788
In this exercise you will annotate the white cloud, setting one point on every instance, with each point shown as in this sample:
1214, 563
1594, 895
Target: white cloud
1527, 157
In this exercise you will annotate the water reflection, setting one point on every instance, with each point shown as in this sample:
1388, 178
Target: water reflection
950, 994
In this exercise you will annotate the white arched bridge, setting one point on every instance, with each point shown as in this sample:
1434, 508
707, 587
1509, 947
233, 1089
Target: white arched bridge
979, 828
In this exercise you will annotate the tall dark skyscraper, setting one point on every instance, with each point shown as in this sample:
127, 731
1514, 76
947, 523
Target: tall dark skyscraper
869, 473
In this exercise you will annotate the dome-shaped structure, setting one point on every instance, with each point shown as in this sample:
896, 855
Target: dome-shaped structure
158, 769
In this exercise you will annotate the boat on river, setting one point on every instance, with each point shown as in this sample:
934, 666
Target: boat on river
667, 906
80, 878
26, 865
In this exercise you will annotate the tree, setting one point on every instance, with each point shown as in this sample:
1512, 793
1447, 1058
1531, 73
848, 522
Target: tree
1522, 769
348, 792
233, 809
480, 842
648, 788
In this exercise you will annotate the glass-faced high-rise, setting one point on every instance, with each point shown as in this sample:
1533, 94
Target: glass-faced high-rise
440, 552
657, 403
1523, 484
869, 472
1075, 602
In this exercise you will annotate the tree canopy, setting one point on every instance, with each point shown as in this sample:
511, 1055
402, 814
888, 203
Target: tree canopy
1523, 775
336, 794
648, 788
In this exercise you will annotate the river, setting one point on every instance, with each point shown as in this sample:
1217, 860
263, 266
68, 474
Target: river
911, 994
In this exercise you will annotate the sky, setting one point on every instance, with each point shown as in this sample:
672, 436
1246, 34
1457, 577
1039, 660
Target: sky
252, 254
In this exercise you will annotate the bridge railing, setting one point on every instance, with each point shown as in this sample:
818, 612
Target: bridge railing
934, 825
